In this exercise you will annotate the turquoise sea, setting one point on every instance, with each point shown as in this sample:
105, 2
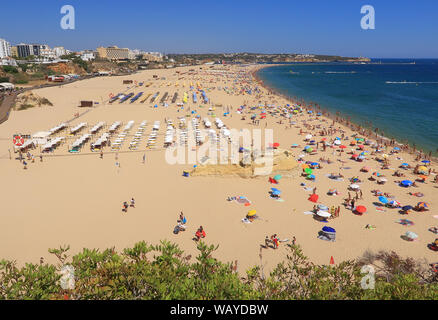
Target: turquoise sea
397, 96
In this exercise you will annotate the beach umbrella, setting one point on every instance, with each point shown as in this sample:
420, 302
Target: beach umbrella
422, 205
308, 137
405, 164
396, 148
354, 186
406, 183
323, 214
383, 200
355, 156
275, 191
407, 208
425, 161
276, 145
322, 207
311, 176
394, 203
361, 157
422, 169
304, 166
308, 170
294, 145
337, 142
278, 177
251, 213
309, 149
328, 229
422, 177
364, 153
342, 147
361, 209
331, 191
411, 235
313, 198
383, 180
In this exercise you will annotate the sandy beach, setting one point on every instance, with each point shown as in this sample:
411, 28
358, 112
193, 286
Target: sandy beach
76, 198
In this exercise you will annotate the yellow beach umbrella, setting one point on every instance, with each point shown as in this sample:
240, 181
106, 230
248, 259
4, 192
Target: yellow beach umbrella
422, 168
251, 213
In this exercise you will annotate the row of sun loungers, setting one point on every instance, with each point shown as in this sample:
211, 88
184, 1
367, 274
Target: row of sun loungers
102, 141
97, 127
153, 135
79, 143
170, 132
58, 128
53, 144
78, 128
197, 132
138, 135
114, 127
118, 142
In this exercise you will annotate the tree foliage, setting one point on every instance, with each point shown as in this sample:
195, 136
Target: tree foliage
164, 271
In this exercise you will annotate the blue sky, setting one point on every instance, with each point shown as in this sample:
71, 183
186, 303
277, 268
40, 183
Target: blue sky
404, 28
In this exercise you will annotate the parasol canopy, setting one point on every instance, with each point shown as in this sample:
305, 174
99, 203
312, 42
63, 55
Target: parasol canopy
361, 209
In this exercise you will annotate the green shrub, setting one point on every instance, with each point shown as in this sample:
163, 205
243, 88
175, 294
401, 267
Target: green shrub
164, 272
10, 69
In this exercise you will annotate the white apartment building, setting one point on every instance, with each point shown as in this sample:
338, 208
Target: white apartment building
59, 51
88, 55
5, 48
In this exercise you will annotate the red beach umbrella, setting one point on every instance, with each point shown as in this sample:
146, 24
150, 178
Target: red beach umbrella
313, 198
342, 147
361, 209
276, 145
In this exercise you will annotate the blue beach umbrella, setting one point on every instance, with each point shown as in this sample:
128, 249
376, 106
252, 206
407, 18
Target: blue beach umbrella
405, 164
328, 229
383, 199
275, 191
406, 183
425, 161
406, 208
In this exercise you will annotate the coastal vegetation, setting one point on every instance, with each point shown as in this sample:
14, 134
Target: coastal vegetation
164, 271
29, 100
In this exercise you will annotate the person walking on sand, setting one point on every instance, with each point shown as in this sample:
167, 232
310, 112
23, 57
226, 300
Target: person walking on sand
132, 203
182, 219
144, 158
274, 239
25, 165
101, 154
125, 206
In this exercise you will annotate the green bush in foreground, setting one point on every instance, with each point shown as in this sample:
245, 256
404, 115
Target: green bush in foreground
164, 272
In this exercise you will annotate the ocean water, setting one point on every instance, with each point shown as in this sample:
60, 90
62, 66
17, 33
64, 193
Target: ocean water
396, 96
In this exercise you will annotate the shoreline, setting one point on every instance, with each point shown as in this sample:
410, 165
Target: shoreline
346, 122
